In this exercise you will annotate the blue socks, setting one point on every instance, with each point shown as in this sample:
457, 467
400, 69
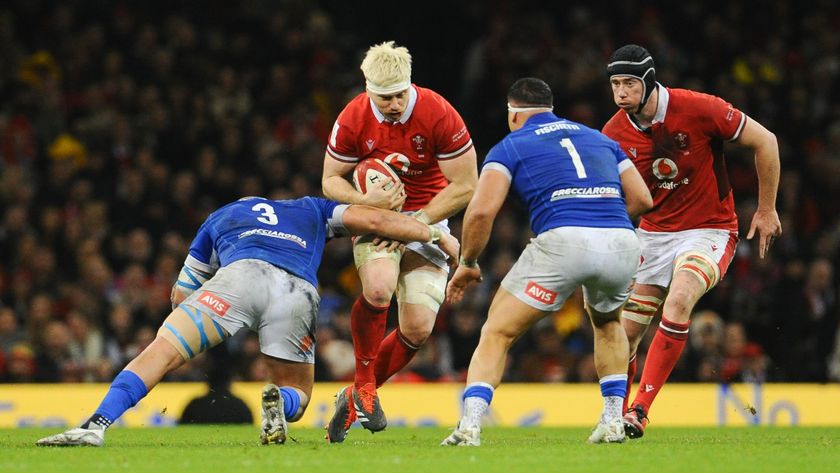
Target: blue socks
126, 391
614, 385
480, 390
291, 402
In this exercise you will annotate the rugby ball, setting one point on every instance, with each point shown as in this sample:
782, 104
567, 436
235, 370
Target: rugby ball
371, 172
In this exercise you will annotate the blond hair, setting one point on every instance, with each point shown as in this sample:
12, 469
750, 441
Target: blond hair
386, 66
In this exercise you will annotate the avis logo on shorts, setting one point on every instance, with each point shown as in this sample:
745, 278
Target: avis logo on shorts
539, 293
214, 302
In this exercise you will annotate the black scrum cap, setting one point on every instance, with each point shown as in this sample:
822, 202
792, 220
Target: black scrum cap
634, 61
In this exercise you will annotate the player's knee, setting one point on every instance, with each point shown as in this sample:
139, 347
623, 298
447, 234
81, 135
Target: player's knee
679, 304
378, 294
701, 266
191, 331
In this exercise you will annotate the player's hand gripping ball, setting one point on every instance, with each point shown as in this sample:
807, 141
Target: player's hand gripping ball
374, 173
371, 172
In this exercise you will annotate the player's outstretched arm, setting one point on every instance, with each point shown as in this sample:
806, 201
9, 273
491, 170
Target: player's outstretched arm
637, 197
765, 221
362, 219
489, 196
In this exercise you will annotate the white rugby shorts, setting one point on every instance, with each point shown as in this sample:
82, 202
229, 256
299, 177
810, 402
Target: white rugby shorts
558, 261
253, 294
660, 250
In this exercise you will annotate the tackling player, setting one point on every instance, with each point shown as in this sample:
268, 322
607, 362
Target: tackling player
424, 139
675, 138
251, 265
579, 187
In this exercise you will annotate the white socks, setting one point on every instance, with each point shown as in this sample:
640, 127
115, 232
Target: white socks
474, 409
612, 408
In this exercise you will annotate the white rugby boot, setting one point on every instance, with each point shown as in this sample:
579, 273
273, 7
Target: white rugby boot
76, 437
274, 424
464, 437
611, 431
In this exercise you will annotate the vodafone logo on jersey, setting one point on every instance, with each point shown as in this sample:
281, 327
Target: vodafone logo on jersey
398, 161
539, 293
664, 168
215, 303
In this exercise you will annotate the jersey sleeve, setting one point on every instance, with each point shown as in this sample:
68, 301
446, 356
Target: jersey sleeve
622, 161
499, 159
451, 132
721, 119
342, 143
334, 213
202, 256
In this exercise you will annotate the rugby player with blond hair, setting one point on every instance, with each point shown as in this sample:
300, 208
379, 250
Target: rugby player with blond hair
418, 133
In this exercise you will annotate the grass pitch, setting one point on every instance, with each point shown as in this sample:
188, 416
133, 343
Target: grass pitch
217, 449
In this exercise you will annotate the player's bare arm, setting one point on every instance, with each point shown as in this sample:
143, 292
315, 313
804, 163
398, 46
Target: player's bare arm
335, 186
765, 221
636, 194
462, 175
489, 197
361, 219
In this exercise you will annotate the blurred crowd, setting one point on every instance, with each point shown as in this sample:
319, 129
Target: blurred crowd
123, 124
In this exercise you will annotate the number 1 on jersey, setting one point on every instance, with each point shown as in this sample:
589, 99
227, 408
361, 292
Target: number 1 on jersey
567, 143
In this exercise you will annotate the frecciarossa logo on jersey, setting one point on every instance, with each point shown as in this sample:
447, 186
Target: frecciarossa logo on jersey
274, 234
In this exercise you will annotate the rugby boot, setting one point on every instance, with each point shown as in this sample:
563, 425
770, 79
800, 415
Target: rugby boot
368, 409
635, 422
77, 437
611, 431
466, 437
274, 424
343, 417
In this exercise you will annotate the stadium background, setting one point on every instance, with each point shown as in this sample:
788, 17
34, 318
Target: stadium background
122, 124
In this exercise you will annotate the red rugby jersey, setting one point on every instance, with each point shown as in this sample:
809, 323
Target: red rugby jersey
429, 131
681, 159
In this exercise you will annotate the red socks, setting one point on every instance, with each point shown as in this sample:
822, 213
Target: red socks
377, 359
394, 353
662, 356
631, 375
367, 322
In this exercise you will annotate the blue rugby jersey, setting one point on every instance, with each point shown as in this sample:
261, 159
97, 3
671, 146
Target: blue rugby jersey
567, 173
289, 234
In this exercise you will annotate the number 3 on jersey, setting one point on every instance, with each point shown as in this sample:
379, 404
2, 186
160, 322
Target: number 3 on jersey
267, 213
581, 171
